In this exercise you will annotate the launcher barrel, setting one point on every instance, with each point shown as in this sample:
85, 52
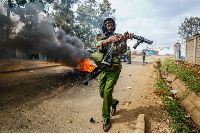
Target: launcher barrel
142, 39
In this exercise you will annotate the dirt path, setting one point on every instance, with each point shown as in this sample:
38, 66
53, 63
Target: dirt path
46, 97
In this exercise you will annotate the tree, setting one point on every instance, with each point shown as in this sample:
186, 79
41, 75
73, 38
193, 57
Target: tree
86, 22
105, 9
64, 15
189, 27
89, 16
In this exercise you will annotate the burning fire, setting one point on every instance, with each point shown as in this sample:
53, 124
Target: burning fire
86, 66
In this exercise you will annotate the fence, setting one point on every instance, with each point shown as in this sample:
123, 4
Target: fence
192, 53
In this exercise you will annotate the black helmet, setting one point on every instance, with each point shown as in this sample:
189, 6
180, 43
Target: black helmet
103, 24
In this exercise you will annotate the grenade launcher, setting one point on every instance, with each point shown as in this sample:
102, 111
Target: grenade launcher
107, 59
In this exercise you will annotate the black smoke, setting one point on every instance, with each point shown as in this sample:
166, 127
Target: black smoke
38, 35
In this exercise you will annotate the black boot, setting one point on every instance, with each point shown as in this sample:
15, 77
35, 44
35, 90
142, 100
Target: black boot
106, 125
114, 108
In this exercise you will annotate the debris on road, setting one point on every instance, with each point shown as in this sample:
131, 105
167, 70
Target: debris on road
159, 92
92, 120
69, 121
126, 103
174, 91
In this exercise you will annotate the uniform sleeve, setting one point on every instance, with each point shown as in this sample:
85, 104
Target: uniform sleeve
98, 41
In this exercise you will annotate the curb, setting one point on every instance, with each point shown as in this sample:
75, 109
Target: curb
189, 100
140, 126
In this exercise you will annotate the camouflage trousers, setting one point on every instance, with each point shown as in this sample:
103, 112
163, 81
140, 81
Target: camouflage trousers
129, 56
143, 58
107, 80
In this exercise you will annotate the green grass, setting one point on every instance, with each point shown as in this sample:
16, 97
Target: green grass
183, 74
179, 122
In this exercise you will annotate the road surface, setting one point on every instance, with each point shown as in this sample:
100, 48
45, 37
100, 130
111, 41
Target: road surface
42, 97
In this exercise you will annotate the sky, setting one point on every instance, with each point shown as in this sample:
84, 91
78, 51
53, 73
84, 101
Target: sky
156, 20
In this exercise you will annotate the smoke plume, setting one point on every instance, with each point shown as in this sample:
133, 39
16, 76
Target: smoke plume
37, 35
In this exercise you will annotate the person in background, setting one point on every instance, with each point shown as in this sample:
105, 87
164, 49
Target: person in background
143, 55
129, 56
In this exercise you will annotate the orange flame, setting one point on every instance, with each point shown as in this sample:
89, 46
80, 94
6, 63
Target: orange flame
86, 66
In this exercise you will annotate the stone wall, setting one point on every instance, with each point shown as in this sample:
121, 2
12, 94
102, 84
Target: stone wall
198, 49
193, 49
189, 49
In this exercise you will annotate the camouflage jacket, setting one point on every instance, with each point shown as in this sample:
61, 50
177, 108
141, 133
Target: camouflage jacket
119, 49
143, 53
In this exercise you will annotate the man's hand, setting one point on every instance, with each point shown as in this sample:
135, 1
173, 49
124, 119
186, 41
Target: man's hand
128, 36
117, 38
112, 39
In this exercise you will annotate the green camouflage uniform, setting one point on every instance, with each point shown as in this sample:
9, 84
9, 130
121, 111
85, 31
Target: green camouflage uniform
129, 56
108, 77
143, 55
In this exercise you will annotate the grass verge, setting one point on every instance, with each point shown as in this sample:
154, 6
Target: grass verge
183, 74
178, 122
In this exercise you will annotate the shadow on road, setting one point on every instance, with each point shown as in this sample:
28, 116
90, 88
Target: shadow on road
130, 116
